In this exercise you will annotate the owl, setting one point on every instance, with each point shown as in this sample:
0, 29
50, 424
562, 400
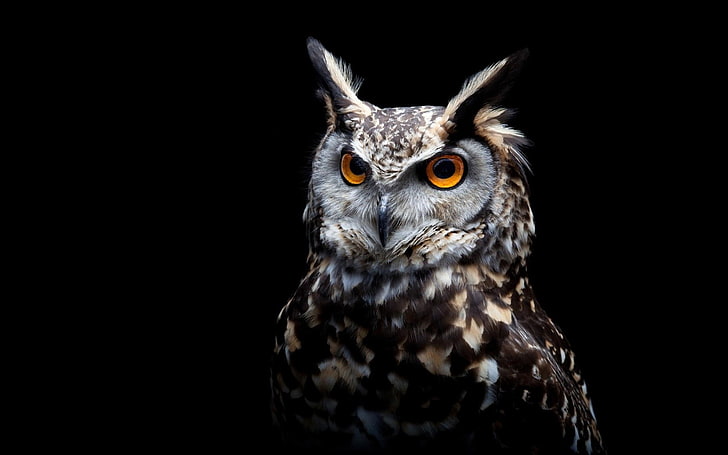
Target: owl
415, 326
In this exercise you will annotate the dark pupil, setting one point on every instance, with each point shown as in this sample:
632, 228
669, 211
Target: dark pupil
357, 165
444, 168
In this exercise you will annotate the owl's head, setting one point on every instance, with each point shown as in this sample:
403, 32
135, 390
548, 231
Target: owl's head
404, 187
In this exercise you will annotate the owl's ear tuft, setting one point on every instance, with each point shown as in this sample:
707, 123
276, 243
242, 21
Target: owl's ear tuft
338, 86
483, 91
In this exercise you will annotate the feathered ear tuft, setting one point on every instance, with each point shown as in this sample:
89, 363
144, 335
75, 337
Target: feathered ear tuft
475, 110
338, 86
483, 90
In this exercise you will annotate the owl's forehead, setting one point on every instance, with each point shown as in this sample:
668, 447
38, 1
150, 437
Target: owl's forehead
396, 134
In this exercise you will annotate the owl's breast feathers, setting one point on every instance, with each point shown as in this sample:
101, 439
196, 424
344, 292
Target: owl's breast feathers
461, 357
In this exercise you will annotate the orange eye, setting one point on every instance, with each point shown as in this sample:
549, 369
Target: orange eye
445, 171
353, 168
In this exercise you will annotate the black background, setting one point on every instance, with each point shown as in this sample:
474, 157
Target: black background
221, 120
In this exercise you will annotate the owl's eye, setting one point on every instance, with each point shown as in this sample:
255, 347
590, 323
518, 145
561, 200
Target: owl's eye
353, 168
445, 171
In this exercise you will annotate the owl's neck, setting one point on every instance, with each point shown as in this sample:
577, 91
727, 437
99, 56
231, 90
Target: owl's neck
426, 286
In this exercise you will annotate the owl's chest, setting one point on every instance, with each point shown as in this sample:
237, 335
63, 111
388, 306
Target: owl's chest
412, 368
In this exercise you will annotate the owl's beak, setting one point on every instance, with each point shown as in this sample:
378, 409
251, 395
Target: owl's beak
383, 219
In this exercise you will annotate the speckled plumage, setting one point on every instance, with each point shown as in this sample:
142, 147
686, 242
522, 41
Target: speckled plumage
416, 326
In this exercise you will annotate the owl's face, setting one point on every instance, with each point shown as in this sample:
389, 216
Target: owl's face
401, 187
384, 194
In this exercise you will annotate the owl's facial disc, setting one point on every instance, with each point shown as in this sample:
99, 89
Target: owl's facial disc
376, 208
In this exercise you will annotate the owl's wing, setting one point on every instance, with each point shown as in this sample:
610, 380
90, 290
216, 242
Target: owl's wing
542, 380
